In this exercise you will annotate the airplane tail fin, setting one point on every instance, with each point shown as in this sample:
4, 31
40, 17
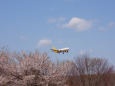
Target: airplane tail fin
53, 48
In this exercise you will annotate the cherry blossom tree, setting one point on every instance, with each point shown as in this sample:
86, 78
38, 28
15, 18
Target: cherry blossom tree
31, 69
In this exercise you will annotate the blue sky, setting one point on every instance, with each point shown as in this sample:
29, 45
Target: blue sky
85, 26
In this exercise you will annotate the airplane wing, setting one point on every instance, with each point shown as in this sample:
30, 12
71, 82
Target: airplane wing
58, 51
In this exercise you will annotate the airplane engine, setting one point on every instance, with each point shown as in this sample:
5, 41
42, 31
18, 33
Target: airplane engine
66, 51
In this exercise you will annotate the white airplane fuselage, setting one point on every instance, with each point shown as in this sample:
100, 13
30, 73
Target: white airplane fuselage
64, 49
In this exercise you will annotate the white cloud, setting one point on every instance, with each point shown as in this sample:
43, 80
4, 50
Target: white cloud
82, 52
61, 19
110, 26
24, 37
78, 24
53, 20
44, 42
102, 28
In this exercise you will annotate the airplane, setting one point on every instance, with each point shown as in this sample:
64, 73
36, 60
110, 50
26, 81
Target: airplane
60, 50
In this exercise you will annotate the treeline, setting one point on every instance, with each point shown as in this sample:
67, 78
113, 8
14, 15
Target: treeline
37, 69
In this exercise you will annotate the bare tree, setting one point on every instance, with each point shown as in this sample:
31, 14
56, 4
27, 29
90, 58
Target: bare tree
87, 71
